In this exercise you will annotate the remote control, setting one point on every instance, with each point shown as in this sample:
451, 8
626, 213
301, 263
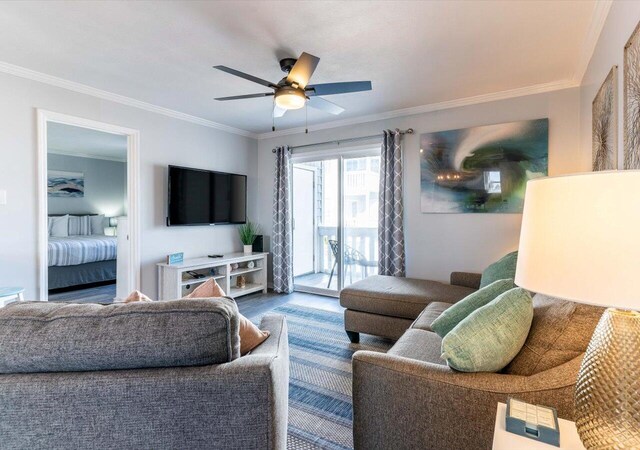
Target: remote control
215, 256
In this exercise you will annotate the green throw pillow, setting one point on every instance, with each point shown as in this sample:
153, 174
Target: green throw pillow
453, 315
491, 336
502, 269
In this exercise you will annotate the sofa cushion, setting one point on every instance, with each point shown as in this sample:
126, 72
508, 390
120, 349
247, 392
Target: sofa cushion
504, 268
490, 337
398, 297
419, 344
59, 337
429, 314
250, 335
560, 331
448, 320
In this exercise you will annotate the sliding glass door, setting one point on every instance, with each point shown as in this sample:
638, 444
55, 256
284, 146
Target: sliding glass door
361, 179
315, 224
335, 208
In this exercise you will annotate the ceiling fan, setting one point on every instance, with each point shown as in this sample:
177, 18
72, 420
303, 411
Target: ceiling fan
294, 90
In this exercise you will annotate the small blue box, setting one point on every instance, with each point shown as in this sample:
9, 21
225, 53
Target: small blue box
530, 423
175, 258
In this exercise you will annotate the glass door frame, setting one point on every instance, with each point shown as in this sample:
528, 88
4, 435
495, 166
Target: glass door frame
340, 155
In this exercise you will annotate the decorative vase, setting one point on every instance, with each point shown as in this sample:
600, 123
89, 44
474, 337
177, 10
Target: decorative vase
241, 281
248, 249
607, 403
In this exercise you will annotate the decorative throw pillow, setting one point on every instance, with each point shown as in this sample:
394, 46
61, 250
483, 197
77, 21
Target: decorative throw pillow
79, 226
502, 269
490, 337
60, 226
97, 224
136, 296
250, 335
453, 315
207, 289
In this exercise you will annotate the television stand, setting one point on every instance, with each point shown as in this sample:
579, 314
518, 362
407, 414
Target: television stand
174, 282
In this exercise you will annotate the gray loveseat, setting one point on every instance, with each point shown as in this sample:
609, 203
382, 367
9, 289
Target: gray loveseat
410, 399
161, 375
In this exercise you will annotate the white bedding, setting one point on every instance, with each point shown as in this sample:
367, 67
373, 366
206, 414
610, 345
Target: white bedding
74, 250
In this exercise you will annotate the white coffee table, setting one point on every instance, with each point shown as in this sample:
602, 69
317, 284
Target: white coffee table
504, 440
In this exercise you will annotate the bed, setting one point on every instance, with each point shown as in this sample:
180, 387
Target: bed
78, 260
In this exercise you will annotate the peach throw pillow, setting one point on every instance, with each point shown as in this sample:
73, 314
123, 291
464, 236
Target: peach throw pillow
250, 335
136, 296
207, 289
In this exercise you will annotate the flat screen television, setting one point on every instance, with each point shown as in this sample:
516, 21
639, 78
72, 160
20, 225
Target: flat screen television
204, 197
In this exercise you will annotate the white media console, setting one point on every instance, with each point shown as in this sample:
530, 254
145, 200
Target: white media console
175, 282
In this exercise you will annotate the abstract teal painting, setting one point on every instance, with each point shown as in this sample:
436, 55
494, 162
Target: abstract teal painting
65, 184
482, 169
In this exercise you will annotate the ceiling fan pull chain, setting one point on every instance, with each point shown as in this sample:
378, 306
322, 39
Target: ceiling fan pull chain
273, 115
306, 117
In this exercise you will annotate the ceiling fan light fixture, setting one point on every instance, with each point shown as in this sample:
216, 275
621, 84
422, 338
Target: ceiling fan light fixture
290, 98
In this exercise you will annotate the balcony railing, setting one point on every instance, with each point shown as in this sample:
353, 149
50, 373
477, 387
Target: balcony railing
362, 239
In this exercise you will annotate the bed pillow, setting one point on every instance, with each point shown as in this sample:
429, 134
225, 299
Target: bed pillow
455, 314
60, 226
490, 337
97, 224
79, 226
250, 335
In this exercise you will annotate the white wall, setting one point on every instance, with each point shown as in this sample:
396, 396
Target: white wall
163, 141
437, 244
621, 21
105, 186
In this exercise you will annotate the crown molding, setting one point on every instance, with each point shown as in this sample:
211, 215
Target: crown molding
466, 101
29, 74
55, 151
600, 12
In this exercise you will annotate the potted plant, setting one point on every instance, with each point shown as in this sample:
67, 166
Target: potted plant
248, 232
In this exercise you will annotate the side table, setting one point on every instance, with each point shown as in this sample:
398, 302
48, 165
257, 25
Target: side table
11, 294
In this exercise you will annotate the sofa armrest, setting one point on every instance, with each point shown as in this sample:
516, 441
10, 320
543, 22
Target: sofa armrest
448, 409
236, 405
466, 279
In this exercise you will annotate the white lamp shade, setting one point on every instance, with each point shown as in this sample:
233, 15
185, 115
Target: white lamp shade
580, 238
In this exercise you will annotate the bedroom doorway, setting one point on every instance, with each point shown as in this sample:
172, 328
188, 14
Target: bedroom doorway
88, 214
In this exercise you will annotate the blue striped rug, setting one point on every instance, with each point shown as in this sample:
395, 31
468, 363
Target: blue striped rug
320, 409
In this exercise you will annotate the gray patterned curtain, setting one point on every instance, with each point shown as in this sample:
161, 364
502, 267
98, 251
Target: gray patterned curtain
282, 230
390, 221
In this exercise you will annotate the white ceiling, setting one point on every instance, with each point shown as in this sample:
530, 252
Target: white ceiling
415, 53
71, 140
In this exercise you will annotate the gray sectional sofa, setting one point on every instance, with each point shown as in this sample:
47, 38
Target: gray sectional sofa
409, 398
386, 306
161, 375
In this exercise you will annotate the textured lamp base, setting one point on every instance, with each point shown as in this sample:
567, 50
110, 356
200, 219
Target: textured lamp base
608, 388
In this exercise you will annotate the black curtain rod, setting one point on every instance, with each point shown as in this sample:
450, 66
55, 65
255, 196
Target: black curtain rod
342, 141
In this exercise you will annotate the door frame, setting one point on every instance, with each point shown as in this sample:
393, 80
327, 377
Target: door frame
133, 192
315, 224
340, 154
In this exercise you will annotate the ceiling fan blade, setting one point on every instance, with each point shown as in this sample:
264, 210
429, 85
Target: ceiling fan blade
240, 97
246, 76
303, 69
278, 112
325, 105
338, 88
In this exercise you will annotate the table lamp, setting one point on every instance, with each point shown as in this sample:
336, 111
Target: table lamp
580, 241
